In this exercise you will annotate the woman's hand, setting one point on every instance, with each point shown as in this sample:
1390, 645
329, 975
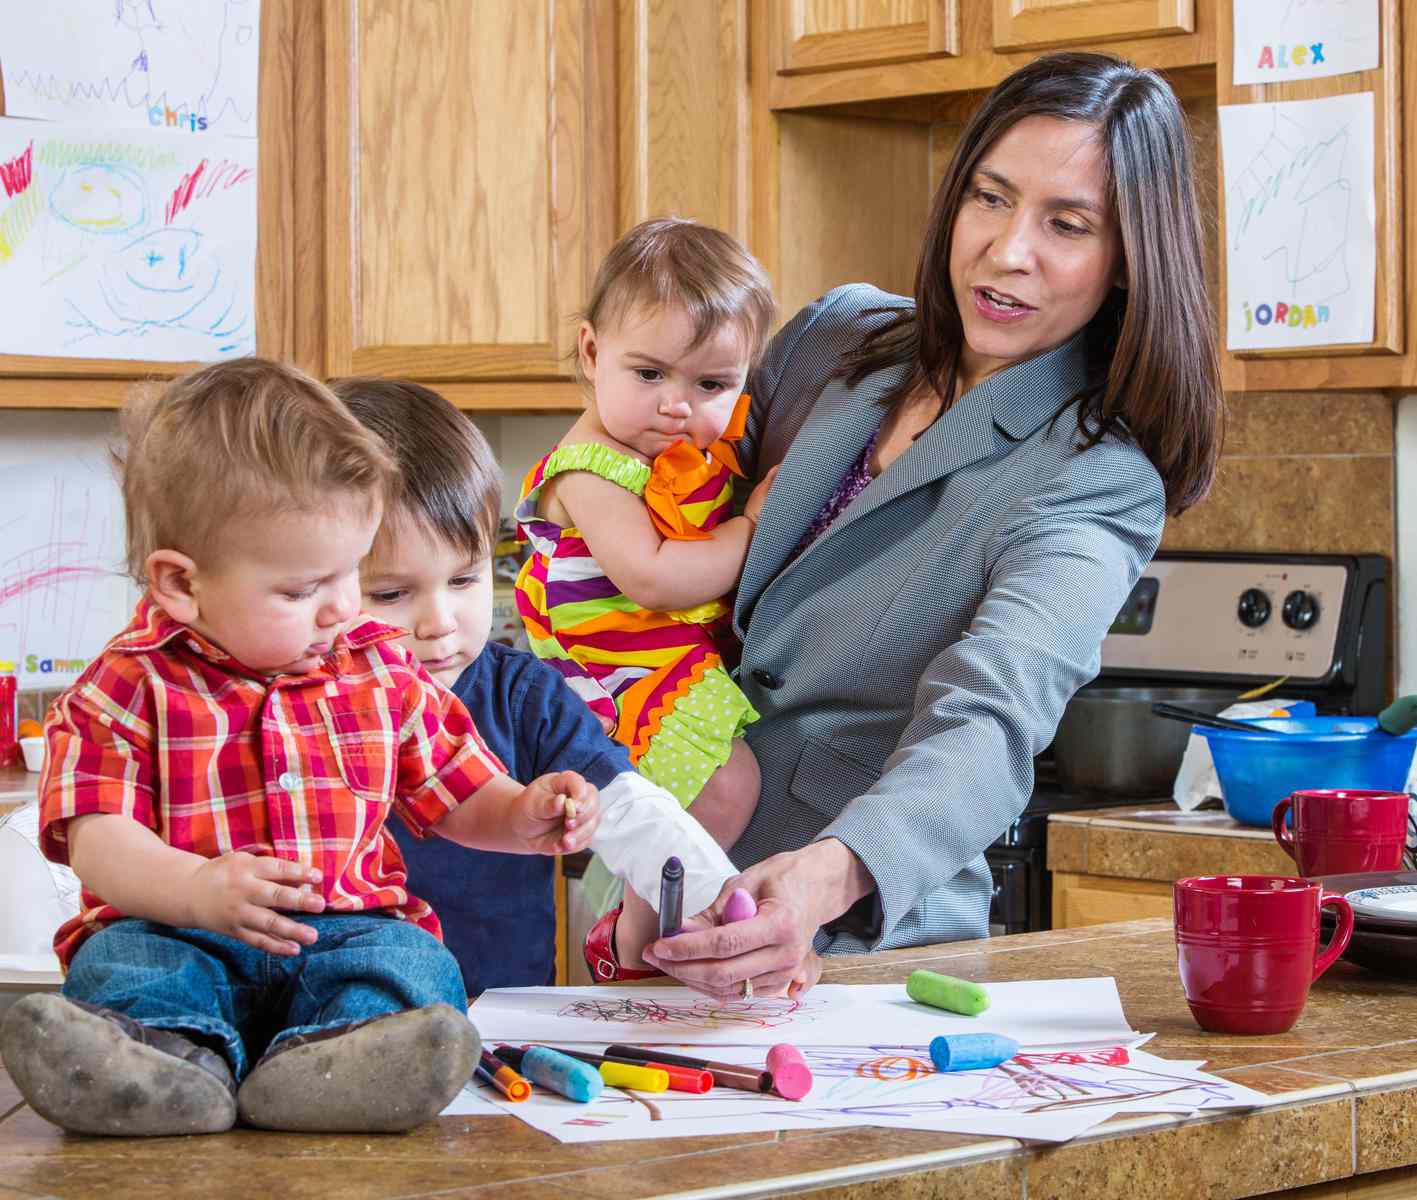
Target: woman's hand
797, 893
753, 509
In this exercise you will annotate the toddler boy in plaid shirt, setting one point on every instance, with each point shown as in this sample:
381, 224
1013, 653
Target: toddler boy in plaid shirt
231, 758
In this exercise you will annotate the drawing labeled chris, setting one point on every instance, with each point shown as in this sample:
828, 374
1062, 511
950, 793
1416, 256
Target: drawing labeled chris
126, 244
189, 65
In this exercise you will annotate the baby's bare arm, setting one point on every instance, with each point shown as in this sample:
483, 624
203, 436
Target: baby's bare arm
238, 894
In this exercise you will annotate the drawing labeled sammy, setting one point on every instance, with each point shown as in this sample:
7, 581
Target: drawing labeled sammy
1300, 223
126, 244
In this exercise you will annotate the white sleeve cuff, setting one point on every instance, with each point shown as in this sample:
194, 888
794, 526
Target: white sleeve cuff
641, 825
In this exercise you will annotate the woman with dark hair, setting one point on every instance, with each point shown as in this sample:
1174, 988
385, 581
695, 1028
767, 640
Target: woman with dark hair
968, 486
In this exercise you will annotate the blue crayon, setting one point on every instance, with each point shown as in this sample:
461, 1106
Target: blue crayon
971, 1051
562, 1074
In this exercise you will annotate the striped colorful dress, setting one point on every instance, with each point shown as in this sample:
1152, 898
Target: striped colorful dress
658, 675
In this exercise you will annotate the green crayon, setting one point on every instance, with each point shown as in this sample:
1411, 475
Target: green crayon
945, 991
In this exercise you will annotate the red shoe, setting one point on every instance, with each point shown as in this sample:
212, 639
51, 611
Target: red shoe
600, 952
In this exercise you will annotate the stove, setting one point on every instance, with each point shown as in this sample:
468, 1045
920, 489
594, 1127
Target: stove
1215, 620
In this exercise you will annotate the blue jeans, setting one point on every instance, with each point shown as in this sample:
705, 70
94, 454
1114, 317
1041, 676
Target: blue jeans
245, 1001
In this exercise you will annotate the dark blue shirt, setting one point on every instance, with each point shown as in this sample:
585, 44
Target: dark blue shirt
499, 910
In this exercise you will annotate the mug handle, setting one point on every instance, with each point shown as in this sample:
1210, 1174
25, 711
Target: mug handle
1339, 942
1281, 834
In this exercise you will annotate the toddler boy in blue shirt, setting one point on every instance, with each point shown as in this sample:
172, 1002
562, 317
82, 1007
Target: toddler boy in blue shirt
430, 572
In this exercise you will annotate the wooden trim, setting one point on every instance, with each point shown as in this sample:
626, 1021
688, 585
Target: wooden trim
506, 361
764, 238
492, 396
23, 392
309, 302
341, 211
1046, 25
553, 395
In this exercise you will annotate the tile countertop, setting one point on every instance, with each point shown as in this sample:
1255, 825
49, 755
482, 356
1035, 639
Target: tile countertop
1158, 841
1344, 1083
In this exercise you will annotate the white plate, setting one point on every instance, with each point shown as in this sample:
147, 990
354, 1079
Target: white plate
1399, 900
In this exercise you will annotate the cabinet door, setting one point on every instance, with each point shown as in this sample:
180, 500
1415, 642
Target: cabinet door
1099, 900
813, 35
1042, 24
468, 195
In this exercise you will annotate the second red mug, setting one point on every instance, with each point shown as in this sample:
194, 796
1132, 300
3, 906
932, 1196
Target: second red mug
1340, 831
1247, 947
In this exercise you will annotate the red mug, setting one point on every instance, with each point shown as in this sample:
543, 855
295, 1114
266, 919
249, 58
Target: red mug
1342, 831
1247, 947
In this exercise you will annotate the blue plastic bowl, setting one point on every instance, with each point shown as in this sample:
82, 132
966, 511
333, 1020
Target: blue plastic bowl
1257, 770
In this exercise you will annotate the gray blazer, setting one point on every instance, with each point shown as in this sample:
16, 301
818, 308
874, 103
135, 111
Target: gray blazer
910, 664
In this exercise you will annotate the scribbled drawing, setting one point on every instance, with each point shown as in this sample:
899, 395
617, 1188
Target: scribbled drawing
698, 1014
1293, 201
181, 64
144, 246
63, 592
1300, 204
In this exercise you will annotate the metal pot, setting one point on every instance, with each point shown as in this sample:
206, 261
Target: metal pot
1109, 740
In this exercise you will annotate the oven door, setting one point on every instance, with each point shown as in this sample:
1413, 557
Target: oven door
1019, 888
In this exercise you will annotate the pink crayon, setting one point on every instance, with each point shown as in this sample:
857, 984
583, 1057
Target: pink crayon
739, 907
791, 1077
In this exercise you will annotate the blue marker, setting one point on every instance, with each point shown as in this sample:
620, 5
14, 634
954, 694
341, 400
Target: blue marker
970, 1051
562, 1074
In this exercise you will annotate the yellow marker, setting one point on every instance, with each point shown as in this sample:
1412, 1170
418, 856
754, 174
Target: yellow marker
641, 1079
570, 809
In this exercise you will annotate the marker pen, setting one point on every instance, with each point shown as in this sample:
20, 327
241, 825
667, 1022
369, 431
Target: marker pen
671, 898
494, 1072
564, 1076
681, 1079
729, 1075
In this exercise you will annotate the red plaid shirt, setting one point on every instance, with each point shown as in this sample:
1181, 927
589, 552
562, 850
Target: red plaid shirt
168, 729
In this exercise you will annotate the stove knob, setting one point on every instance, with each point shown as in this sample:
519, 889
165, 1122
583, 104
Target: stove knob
1301, 610
1254, 608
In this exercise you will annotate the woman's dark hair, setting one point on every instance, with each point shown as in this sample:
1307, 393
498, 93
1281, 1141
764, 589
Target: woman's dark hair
1154, 373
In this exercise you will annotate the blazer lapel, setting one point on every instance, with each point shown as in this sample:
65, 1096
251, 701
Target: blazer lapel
830, 440
1005, 408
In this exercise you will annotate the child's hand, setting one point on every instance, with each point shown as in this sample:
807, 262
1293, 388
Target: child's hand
241, 895
556, 814
759, 496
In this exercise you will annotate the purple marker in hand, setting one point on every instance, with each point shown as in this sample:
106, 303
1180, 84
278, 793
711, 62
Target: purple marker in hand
671, 898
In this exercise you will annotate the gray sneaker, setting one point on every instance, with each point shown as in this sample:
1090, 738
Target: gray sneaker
383, 1075
93, 1070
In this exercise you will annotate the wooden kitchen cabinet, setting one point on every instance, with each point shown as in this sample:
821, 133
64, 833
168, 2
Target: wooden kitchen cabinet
884, 52
470, 186
812, 35
1097, 900
1050, 24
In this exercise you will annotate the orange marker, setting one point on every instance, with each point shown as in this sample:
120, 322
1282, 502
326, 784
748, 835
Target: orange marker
494, 1071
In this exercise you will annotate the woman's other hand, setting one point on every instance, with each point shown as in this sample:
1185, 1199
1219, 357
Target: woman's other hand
759, 496
797, 893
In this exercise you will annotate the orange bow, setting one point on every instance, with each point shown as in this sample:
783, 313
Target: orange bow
680, 471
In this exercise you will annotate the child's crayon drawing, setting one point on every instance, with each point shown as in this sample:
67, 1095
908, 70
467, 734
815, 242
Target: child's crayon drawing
184, 65
697, 1014
1050, 1096
63, 592
131, 244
